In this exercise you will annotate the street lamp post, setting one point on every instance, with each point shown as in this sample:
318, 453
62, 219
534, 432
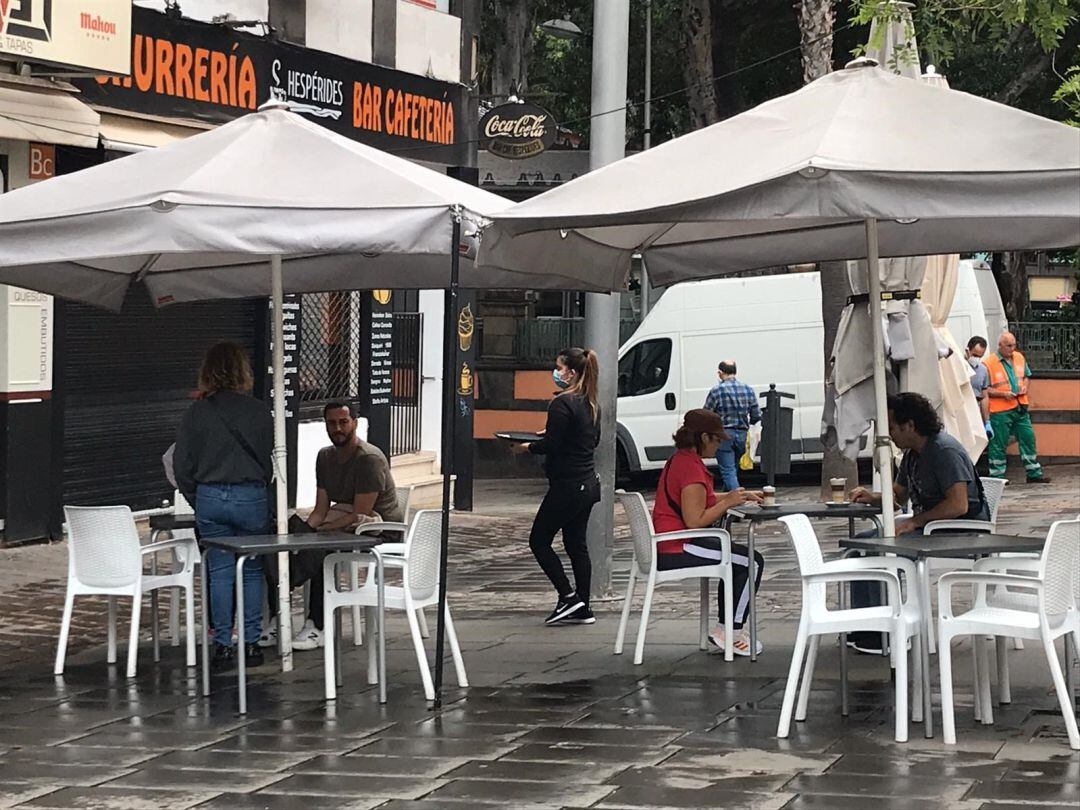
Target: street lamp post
646, 140
607, 143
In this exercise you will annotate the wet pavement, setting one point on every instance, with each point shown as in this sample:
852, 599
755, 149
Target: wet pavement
552, 718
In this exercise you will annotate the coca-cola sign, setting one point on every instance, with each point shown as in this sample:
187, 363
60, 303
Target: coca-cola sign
517, 131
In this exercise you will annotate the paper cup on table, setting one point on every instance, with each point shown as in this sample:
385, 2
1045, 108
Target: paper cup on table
838, 488
769, 494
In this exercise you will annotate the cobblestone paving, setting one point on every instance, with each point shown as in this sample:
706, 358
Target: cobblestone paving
552, 718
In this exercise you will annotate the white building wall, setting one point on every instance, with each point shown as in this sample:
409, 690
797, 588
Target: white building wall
343, 28
206, 10
431, 304
428, 42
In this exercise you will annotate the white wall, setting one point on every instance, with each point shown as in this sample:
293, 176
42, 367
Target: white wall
340, 28
428, 42
206, 10
431, 304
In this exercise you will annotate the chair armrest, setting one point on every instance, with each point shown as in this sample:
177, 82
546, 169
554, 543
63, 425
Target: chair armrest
693, 534
381, 526
891, 580
186, 543
392, 549
872, 564
1007, 564
983, 578
958, 526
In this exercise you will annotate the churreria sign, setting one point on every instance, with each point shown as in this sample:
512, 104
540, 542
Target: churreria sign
182, 68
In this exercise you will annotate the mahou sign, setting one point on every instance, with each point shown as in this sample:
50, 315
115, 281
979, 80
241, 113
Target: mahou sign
187, 69
517, 131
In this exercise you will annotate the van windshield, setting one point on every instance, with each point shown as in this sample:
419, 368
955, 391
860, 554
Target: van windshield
644, 369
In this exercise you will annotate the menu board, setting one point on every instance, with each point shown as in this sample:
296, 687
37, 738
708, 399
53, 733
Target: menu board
291, 321
381, 336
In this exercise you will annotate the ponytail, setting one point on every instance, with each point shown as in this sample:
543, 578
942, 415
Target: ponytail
586, 370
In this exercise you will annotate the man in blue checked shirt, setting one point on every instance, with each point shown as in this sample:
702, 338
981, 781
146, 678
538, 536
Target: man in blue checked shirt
737, 404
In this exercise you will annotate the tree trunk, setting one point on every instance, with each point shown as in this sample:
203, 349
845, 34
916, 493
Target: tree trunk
834, 292
1010, 273
510, 69
698, 64
816, 37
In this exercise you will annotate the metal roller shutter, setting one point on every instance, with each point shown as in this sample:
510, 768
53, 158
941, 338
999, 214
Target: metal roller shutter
125, 380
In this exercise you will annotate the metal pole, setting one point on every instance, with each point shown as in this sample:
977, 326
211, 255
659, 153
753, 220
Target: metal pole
611, 35
448, 423
280, 465
646, 141
882, 446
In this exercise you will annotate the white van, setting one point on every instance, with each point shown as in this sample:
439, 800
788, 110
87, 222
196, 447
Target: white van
771, 327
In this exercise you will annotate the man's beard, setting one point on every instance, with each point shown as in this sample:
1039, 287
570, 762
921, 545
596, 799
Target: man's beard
340, 439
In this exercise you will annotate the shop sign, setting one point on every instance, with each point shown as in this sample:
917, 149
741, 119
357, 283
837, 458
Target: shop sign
517, 131
42, 161
88, 34
187, 69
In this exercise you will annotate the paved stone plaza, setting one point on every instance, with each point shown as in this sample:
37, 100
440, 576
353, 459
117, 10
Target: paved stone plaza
552, 718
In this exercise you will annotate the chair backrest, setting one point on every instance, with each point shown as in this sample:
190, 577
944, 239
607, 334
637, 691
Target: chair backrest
993, 489
181, 505
1061, 567
805, 541
404, 495
422, 552
641, 528
103, 546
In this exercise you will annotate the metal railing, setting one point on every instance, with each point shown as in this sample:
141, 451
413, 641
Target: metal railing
539, 338
1049, 346
405, 400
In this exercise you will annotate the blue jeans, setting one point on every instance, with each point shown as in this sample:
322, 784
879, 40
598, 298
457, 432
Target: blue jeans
728, 455
232, 510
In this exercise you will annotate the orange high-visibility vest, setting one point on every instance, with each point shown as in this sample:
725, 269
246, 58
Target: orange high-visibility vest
999, 381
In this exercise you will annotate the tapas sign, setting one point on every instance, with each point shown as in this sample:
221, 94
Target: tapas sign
517, 131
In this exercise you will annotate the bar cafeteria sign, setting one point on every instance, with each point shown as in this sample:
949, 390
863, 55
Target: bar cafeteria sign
517, 131
92, 34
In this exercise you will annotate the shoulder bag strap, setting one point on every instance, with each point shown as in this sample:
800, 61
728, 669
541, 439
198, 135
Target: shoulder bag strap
239, 437
667, 493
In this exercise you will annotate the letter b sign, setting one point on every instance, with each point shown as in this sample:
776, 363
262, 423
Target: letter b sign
42, 161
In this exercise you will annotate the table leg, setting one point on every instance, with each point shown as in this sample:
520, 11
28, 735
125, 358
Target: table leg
205, 641
752, 617
844, 709
1001, 649
380, 621
241, 662
154, 611
337, 638
924, 643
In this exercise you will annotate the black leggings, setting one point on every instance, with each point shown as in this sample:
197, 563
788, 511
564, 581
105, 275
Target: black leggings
566, 506
706, 551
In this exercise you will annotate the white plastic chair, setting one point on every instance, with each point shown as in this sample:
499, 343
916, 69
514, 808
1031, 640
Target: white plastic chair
900, 617
419, 564
645, 564
104, 557
181, 507
1002, 606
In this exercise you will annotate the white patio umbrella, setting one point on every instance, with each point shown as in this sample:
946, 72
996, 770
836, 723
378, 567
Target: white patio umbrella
265, 205
858, 164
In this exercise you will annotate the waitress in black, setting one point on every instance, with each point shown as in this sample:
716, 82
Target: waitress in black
570, 437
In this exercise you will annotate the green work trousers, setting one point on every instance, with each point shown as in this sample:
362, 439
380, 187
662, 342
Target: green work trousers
1006, 424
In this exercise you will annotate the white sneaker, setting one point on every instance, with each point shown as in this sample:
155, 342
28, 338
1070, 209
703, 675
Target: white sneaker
269, 634
309, 637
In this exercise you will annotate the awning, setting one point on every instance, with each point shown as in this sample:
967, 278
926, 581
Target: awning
33, 110
134, 133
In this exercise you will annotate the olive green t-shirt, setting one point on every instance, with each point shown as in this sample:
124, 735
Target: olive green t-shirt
364, 470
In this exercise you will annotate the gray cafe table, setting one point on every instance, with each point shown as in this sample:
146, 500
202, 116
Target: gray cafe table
919, 547
754, 514
261, 544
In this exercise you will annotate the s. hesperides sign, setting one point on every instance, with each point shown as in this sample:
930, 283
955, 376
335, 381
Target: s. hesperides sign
517, 131
82, 34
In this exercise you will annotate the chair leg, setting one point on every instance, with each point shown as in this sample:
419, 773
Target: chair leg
985, 702
110, 656
1018, 644
65, 628
948, 716
329, 648
899, 642
917, 664
189, 620
976, 691
639, 648
703, 614
174, 615
1068, 708
729, 616
792, 683
421, 619
133, 640
354, 584
1001, 647
620, 636
807, 679
421, 655
455, 648
925, 597
372, 645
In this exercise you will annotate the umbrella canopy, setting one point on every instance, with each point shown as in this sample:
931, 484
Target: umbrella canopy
199, 218
793, 180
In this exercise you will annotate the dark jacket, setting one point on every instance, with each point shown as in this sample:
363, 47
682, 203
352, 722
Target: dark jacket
569, 440
208, 453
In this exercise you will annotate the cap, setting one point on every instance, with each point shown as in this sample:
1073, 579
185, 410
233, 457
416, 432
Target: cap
702, 420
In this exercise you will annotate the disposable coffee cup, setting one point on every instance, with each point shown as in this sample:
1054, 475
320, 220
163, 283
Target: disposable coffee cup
769, 494
839, 489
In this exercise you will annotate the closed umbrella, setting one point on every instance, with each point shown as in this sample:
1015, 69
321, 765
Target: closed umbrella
860, 164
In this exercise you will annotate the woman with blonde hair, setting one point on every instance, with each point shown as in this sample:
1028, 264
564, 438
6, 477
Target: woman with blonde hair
569, 439
223, 467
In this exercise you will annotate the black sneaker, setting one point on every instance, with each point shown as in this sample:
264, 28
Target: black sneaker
253, 655
583, 615
1042, 479
563, 608
224, 658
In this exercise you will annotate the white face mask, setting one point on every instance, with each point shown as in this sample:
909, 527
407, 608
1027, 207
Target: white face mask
974, 361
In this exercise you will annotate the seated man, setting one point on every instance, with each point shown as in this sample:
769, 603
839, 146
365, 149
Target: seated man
936, 475
353, 481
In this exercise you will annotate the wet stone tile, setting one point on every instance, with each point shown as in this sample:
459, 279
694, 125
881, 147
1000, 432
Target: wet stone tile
168, 779
576, 752
635, 737
807, 802
870, 786
78, 755
243, 761
354, 785
502, 792
286, 743
107, 798
525, 771
359, 764
1066, 793
270, 801
431, 747
58, 773
627, 796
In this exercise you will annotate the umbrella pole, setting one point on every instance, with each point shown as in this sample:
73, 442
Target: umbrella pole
882, 446
280, 465
449, 355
